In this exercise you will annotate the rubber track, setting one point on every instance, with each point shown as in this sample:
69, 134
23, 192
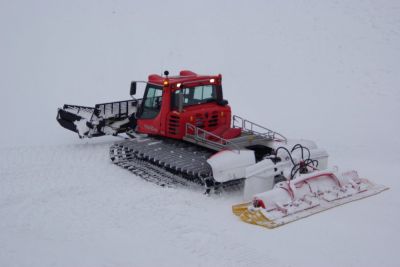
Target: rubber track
167, 163
124, 158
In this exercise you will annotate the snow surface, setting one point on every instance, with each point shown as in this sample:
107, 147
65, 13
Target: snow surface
328, 71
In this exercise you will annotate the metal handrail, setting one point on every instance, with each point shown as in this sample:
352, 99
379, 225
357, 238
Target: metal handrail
118, 111
267, 133
204, 136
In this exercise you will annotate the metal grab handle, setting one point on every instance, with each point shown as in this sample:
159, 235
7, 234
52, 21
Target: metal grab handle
203, 135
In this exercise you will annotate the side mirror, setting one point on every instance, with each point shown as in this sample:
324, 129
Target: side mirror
133, 88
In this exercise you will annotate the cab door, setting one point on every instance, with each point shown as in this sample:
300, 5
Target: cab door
149, 114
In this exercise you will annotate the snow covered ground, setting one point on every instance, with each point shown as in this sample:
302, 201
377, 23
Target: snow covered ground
323, 70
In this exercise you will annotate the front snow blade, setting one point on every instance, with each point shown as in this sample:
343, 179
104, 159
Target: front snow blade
104, 119
67, 119
78, 119
268, 212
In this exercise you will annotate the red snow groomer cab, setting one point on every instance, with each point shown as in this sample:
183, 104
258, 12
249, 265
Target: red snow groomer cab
170, 104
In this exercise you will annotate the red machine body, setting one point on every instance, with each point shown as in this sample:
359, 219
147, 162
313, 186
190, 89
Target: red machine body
170, 103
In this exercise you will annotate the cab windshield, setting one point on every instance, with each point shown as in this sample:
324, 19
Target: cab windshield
195, 95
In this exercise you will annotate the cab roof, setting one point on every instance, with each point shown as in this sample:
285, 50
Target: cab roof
185, 76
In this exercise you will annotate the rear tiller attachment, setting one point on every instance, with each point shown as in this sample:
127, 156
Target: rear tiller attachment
305, 195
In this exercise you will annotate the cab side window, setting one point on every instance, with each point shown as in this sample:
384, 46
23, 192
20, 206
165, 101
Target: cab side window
195, 95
